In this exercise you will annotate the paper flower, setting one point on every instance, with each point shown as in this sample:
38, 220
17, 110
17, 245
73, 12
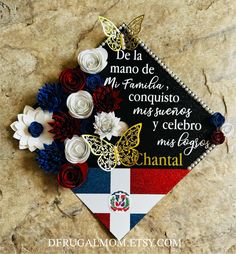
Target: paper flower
51, 157
32, 128
50, 97
106, 99
72, 80
71, 176
107, 125
76, 150
93, 60
227, 129
123, 128
217, 119
93, 82
80, 104
217, 137
64, 126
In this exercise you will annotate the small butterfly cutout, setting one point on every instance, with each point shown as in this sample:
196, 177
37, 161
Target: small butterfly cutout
122, 152
117, 40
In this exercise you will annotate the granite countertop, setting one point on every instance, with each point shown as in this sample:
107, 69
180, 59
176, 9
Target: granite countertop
196, 39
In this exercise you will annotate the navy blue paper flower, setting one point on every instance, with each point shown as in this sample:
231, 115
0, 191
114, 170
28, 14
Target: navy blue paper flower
93, 82
50, 97
217, 119
51, 157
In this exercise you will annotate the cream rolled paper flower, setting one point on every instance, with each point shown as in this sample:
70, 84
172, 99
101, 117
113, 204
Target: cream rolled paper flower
76, 150
80, 104
123, 128
107, 125
32, 128
93, 61
227, 129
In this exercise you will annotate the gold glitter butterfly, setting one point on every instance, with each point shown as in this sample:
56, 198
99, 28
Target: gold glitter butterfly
122, 152
117, 40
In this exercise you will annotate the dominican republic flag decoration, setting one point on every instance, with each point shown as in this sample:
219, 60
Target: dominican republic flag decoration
121, 197
120, 129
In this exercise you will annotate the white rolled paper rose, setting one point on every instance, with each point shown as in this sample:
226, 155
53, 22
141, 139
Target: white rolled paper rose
93, 60
80, 104
227, 129
76, 150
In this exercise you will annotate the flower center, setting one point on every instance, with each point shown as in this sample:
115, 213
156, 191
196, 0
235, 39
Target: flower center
106, 125
92, 62
80, 149
70, 176
35, 129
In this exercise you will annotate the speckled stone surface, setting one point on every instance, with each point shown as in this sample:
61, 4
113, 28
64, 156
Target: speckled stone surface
196, 39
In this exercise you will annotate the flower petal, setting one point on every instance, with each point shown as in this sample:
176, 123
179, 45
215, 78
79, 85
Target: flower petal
27, 119
27, 109
20, 118
33, 144
17, 136
32, 148
24, 140
46, 137
39, 117
38, 144
30, 141
19, 126
13, 126
48, 127
48, 117
37, 110
22, 132
103, 52
22, 147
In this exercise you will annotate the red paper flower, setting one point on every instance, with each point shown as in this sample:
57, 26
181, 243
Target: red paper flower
106, 99
217, 137
72, 80
64, 126
72, 175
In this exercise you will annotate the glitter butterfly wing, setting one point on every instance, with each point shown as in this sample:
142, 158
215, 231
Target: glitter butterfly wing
128, 156
103, 149
114, 40
131, 37
136, 24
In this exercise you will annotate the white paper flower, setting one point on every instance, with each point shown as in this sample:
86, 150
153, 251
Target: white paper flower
76, 150
80, 104
107, 125
227, 129
32, 128
123, 128
93, 60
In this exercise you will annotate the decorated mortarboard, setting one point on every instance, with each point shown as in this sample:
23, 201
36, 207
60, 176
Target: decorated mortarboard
120, 129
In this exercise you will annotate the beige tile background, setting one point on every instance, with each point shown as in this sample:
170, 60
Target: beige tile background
38, 38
